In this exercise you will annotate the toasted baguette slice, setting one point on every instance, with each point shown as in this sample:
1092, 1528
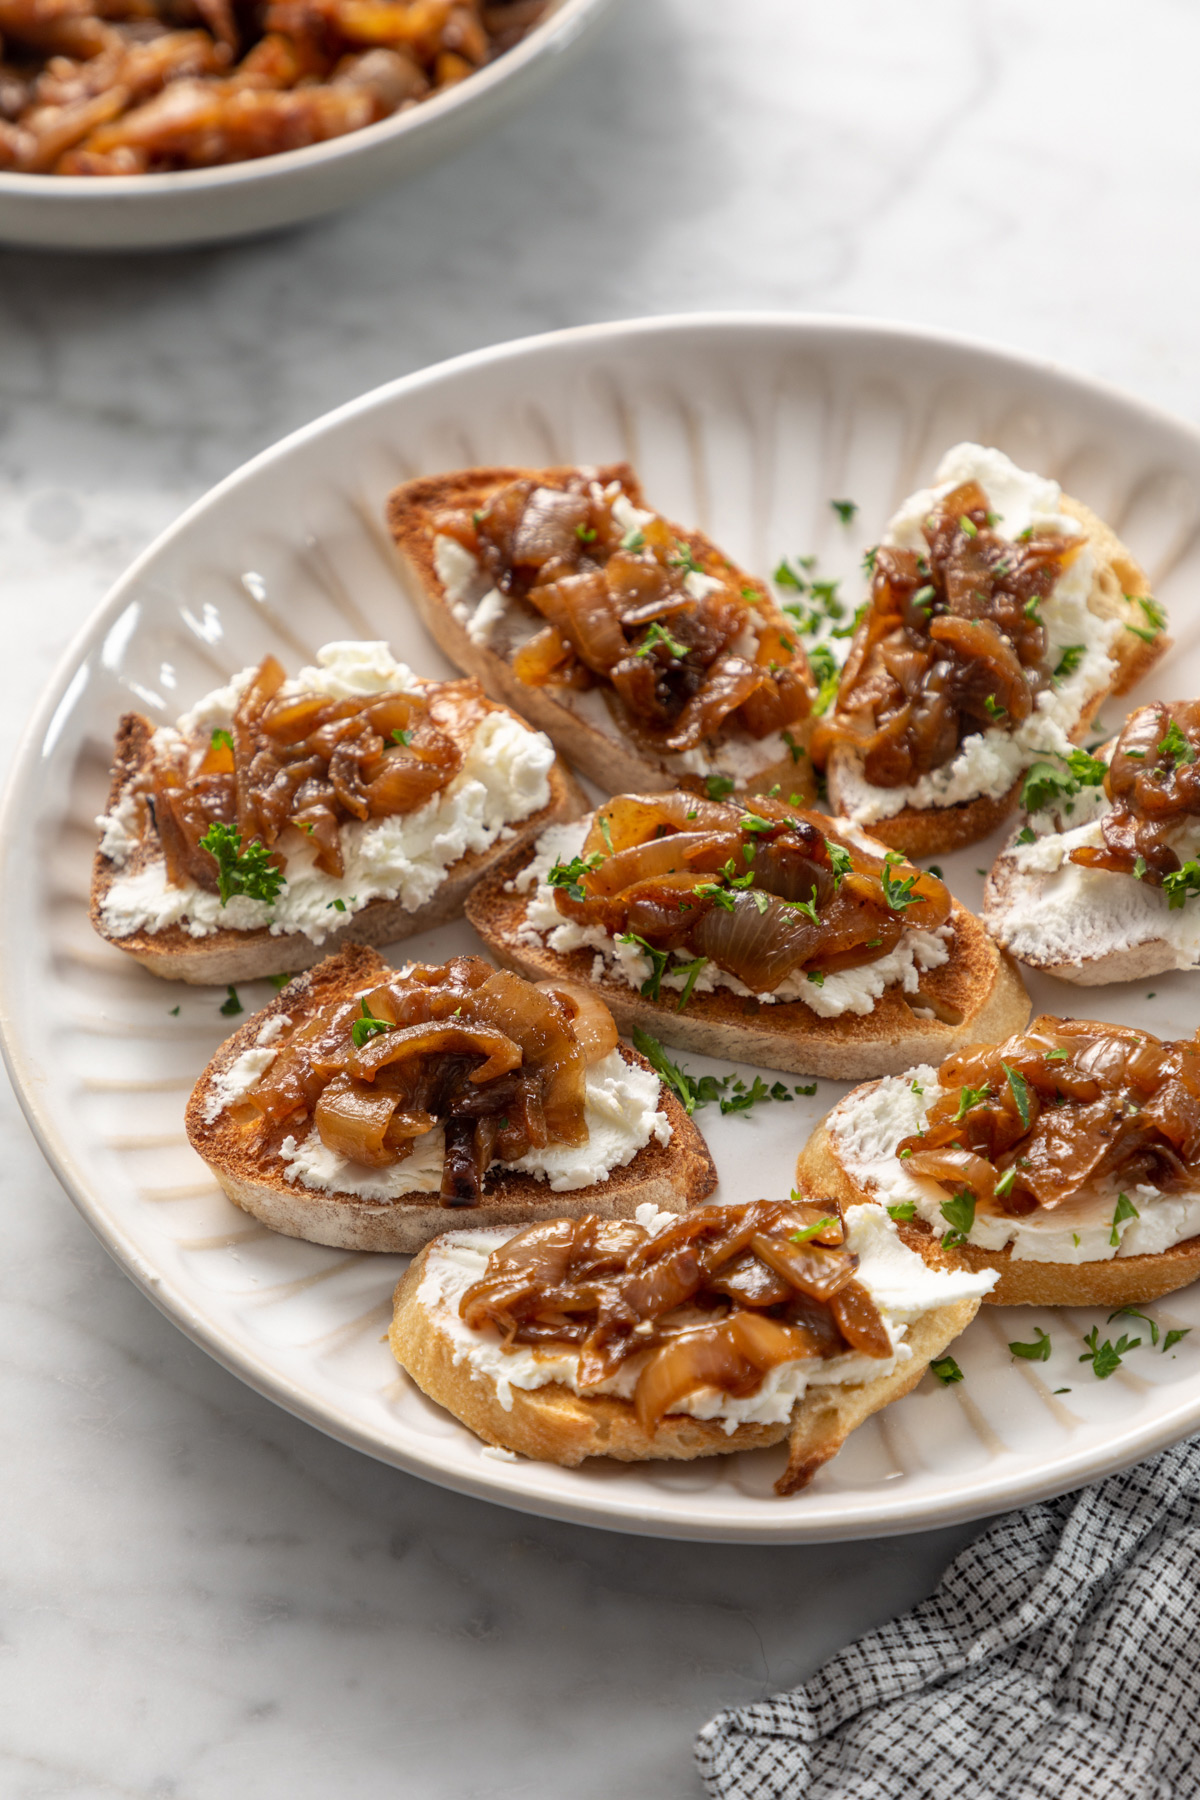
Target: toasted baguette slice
1116, 585
1122, 1281
674, 1176
978, 988
598, 749
1087, 926
554, 1424
227, 955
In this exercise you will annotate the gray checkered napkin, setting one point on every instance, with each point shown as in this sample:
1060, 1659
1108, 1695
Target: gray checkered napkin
1058, 1660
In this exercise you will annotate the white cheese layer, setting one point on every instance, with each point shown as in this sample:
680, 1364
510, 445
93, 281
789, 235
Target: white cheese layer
847, 991
504, 778
621, 1111
869, 1124
901, 1284
988, 762
489, 620
246, 1070
1048, 910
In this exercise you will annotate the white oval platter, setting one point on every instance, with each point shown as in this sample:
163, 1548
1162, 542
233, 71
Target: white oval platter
232, 200
747, 426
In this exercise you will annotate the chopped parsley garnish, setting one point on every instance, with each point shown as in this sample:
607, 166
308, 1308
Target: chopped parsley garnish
1005, 1184
917, 1089
174, 1012
1020, 1092
1069, 661
718, 787
231, 1004
1125, 1209
1038, 1351
586, 534
902, 1211
840, 861
845, 509
1156, 616
1027, 835
824, 666
796, 749
1181, 884
924, 598
702, 1090
969, 526
1139, 868
946, 1370
403, 738
1173, 1337
338, 905
570, 875
969, 1097
222, 739
816, 977
1105, 1357
684, 558
1045, 786
691, 970
280, 981
659, 960
249, 871
368, 1026
634, 538
787, 575
1056, 1055
959, 1214
658, 634
897, 894
994, 708
1132, 1312
1031, 611
869, 557
1175, 747
606, 833
810, 1231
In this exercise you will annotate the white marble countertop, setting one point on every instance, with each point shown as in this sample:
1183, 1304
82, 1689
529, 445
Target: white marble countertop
204, 1598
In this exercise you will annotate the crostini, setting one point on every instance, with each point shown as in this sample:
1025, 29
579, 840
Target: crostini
752, 930
1101, 882
662, 1338
1066, 1160
280, 815
372, 1108
1001, 614
644, 652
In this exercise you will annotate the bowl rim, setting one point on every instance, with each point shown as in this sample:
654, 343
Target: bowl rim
554, 33
975, 1498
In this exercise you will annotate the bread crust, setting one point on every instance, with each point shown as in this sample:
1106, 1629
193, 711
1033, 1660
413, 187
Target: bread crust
228, 956
553, 1424
605, 757
672, 1176
1121, 1281
980, 983
1118, 581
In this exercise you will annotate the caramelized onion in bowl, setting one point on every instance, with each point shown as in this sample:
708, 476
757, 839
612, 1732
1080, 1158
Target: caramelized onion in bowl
136, 87
496, 1061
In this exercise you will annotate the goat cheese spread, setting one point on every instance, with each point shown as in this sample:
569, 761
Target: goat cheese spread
869, 1123
246, 1070
988, 762
484, 612
1048, 910
504, 778
621, 1110
846, 991
902, 1286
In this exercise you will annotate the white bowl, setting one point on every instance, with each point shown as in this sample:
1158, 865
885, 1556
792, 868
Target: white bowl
198, 206
745, 426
